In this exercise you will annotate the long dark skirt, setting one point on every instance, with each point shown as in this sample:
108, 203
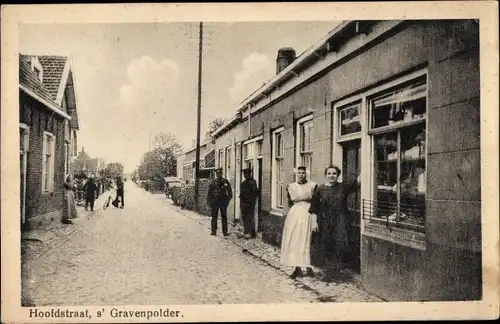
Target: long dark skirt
330, 242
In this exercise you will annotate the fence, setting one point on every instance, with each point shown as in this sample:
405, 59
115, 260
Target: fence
409, 214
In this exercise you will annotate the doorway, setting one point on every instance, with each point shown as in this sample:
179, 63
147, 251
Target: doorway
258, 205
351, 166
238, 180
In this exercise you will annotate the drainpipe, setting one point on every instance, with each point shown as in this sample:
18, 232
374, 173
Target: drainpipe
249, 121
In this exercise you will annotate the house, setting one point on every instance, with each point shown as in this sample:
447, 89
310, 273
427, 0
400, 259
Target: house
397, 102
186, 162
83, 163
48, 127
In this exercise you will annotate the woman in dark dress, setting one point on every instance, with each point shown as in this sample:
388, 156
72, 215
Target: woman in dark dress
330, 204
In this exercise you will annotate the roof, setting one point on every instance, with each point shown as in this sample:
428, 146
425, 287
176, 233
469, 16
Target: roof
331, 42
29, 79
56, 75
53, 68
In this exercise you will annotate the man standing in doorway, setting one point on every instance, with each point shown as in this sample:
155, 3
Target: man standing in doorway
119, 192
248, 196
218, 197
90, 189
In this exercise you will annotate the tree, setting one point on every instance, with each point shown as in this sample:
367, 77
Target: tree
113, 170
167, 140
213, 126
162, 160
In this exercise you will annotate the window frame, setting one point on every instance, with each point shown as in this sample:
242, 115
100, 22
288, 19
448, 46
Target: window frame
255, 143
357, 101
274, 159
299, 153
48, 176
397, 128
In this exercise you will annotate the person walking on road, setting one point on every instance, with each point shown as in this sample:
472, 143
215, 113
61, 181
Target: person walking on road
249, 192
90, 189
218, 197
119, 192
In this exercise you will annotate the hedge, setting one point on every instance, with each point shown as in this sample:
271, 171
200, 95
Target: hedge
184, 196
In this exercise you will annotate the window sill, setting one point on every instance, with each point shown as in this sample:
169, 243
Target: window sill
400, 236
277, 212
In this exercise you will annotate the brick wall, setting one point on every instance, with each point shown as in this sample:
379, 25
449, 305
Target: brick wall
35, 116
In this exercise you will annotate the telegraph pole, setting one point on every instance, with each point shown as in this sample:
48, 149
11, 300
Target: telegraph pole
198, 121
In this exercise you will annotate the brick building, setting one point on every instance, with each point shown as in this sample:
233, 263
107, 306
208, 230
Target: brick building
48, 126
397, 102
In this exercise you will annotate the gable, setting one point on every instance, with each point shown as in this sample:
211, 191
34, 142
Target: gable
53, 68
29, 79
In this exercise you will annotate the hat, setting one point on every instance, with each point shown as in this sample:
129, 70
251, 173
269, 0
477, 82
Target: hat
246, 170
218, 170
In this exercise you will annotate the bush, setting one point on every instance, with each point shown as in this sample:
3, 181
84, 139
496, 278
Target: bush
184, 197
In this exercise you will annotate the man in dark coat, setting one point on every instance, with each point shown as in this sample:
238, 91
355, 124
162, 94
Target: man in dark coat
90, 189
248, 196
218, 197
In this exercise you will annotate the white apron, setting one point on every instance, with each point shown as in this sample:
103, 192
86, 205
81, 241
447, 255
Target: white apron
297, 232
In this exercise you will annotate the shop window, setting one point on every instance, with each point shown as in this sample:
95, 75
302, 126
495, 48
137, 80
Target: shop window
399, 137
403, 106
278, 172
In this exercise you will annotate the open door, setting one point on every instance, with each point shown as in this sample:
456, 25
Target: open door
351, 166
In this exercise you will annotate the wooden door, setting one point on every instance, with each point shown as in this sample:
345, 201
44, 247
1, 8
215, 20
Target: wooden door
351, 166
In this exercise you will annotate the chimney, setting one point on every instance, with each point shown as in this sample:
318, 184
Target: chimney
286, 55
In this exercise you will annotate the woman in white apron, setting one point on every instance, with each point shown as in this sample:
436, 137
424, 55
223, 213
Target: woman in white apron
299, 225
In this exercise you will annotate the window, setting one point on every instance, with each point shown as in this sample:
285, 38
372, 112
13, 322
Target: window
188, 172
278, 197
304, 140
398, 127
349, 119
252, 149
37, 68
48, 162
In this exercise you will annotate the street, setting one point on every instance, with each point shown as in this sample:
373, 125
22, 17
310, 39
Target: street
150, 254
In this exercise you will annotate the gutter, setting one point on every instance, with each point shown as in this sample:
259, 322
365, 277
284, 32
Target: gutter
329, 43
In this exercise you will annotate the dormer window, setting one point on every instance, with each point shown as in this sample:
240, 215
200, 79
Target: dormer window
36, 66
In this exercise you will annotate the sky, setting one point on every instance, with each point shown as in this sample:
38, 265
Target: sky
133, 81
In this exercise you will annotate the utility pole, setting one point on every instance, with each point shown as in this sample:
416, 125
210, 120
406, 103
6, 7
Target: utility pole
198, 121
